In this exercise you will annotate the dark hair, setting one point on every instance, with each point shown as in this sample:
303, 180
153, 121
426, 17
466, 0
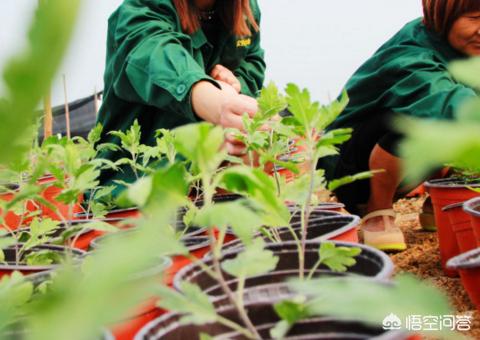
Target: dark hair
236, 15
440, 15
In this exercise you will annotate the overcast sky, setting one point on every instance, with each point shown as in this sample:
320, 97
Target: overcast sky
315, 43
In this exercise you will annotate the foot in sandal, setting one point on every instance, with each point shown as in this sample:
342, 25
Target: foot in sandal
379, 231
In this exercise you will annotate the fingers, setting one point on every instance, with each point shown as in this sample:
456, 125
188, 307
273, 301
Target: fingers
235, 149
221, 73
244, 104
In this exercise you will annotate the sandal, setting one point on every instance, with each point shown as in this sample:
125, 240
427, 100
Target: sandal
390, 239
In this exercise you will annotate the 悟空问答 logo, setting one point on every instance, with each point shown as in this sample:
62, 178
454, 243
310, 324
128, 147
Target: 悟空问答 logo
392, 322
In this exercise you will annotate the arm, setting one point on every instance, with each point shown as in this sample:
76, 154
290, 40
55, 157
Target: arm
153, 60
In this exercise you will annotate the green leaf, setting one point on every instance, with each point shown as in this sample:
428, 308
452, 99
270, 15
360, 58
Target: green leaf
43, 258
260, 188
290, 312
100, 226
336, 183
338, 259
191, 301
204, 336
350, 297
465, 71
431, 144
270, 102
28, 75
330, 112
201, 144
243, 219
95, 134
301, 107
254, 260
15, 292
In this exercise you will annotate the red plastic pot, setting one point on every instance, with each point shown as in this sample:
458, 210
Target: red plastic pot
445, 192
12, 221
468, 264
9, 266
461, 226
50, 194
472, 208
146, 311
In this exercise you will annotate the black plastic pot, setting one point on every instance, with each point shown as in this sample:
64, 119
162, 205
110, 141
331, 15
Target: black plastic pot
370, 263
191, 242
10, 254
263, 316
323, 225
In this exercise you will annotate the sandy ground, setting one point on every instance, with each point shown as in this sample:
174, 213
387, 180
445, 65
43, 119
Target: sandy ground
422, 259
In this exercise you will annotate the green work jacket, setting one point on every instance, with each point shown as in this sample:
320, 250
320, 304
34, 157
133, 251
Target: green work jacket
152, 65
407, 75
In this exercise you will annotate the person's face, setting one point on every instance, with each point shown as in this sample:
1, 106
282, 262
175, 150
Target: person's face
465, 34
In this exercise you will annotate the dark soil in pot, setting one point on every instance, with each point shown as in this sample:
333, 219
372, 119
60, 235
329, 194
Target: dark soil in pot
10, 264
371, 263
264, 318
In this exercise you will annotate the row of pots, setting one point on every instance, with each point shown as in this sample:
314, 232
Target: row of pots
456, 206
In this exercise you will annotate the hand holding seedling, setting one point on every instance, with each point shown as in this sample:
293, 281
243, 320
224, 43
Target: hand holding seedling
223, 74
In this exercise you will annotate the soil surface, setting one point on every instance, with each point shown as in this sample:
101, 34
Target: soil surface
423, 260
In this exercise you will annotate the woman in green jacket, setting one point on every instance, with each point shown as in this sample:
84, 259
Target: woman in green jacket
408, 75
174, 62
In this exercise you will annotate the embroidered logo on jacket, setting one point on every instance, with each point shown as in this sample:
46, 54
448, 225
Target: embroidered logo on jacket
244, 42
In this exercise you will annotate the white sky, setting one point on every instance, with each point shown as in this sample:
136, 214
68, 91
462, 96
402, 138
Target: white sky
315, 43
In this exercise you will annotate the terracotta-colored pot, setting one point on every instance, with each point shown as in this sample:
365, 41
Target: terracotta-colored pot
461, 226
468, 264
472, 208
445, 192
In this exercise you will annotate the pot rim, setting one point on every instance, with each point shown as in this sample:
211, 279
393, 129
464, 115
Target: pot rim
95, 244
385, 272
450, 183
355, 220
452, 206
114, 211
175, 317
471, 206
78, 255
463, 261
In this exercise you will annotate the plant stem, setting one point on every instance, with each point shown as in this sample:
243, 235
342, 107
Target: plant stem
236, 327
306, 207
314, 269
231, 296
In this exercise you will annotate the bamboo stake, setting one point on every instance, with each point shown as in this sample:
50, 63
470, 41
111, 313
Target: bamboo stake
47, 107
67, 108
48, 117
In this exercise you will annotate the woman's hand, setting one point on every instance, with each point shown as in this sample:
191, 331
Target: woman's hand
223, 74
221, 107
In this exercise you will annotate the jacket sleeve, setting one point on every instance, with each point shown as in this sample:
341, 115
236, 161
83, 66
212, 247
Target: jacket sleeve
251, 71
426, 89
157, 67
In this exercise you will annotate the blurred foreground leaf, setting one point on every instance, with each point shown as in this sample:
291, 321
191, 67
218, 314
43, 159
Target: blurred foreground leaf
28, 76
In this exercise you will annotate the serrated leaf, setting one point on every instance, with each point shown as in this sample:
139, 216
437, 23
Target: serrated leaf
338, 259
330, 112
270, 102
191, 301
302, 108
254, 260
290, 312
336, 183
